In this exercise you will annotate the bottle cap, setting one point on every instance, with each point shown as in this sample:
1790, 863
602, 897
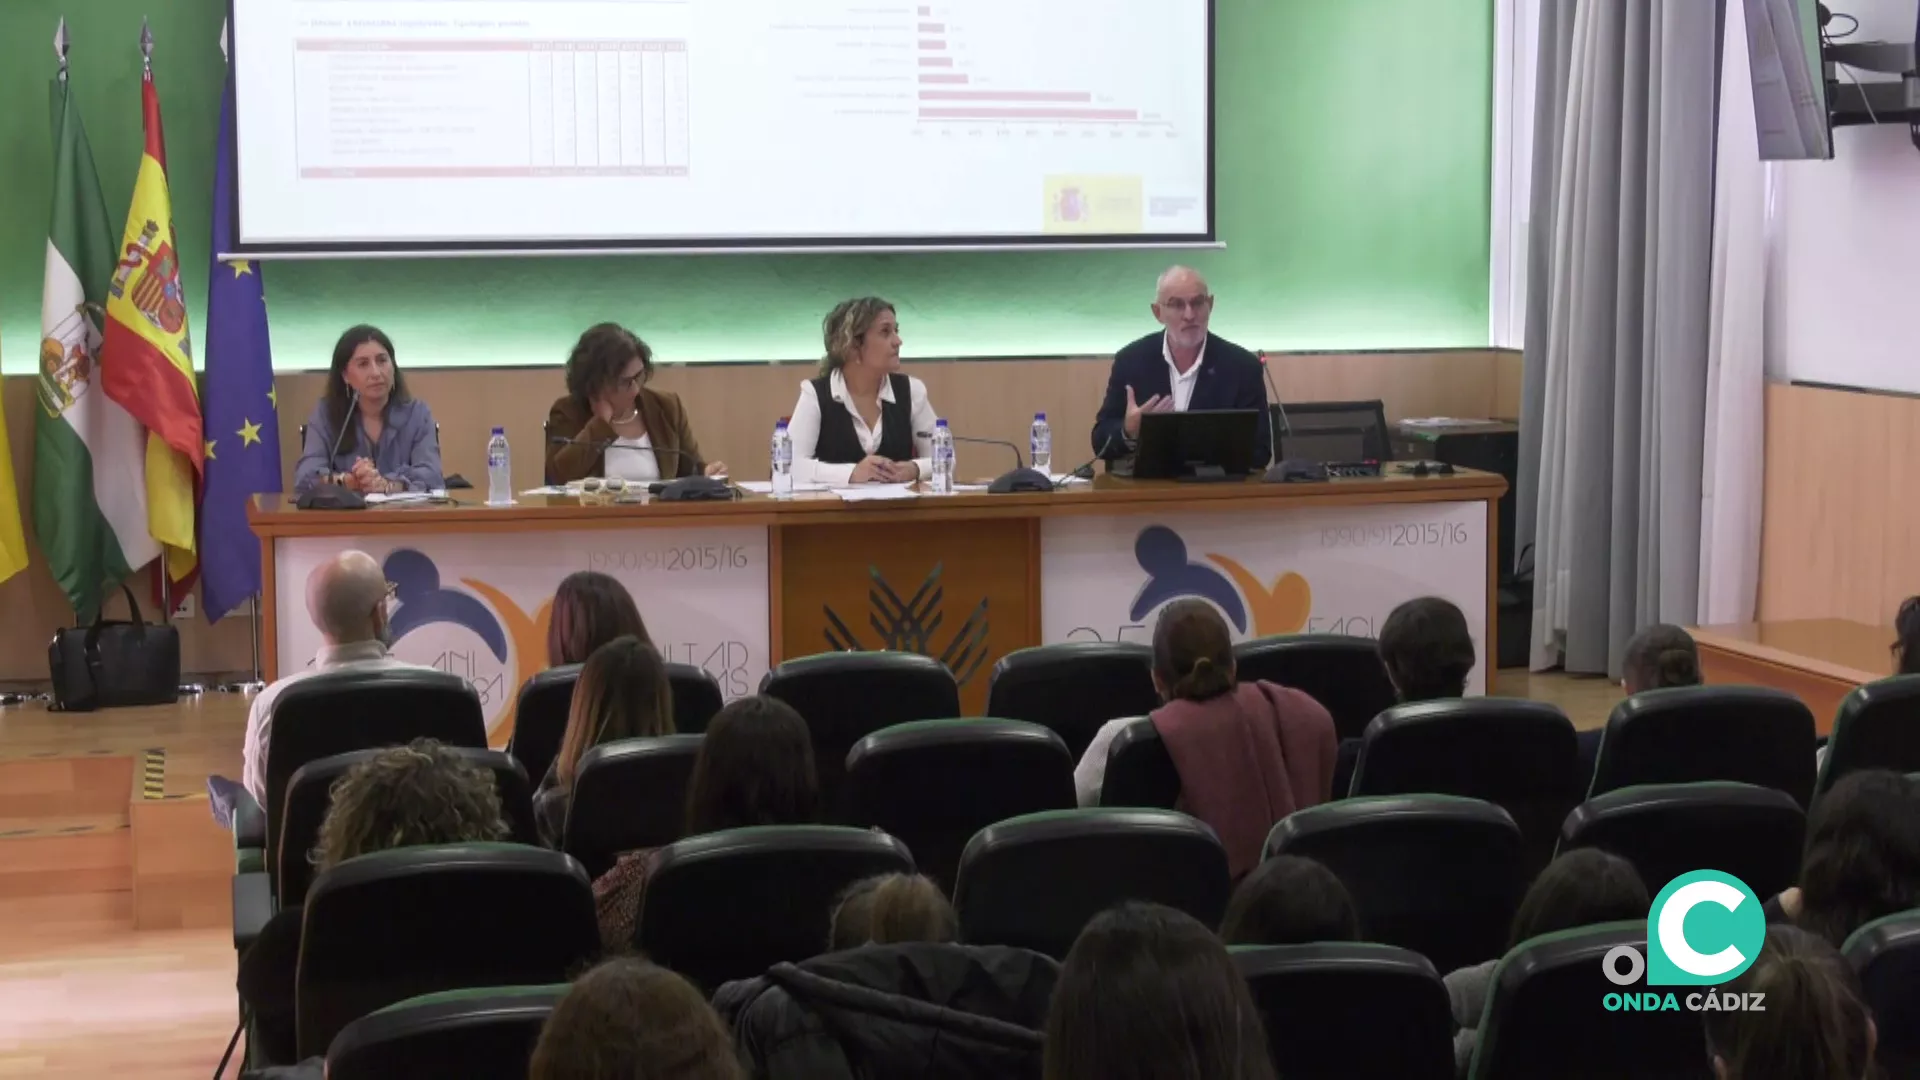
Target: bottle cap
1039, 416
499, 431
939, 423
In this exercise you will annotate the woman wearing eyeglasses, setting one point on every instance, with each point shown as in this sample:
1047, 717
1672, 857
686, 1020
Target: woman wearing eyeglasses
612, 424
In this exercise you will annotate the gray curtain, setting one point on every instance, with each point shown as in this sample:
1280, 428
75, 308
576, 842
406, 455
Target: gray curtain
1613, 406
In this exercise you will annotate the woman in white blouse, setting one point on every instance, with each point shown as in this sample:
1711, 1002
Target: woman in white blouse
862, 420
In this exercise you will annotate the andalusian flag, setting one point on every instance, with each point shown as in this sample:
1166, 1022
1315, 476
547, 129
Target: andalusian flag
13, 540
147, 360
89, 468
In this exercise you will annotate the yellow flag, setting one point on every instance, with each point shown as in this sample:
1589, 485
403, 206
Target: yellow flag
13, 539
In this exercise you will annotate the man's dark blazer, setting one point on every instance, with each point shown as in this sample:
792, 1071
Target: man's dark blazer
1229, 379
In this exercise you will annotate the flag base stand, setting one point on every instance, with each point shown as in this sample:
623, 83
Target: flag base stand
20, 699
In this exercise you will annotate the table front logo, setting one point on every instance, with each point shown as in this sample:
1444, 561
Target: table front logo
515, 640
910, 624
1252, 606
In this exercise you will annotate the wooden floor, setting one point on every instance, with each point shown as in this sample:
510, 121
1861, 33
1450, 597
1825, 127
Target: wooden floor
84, 995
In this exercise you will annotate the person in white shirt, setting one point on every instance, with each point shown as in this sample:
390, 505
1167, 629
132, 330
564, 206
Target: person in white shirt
862, 420
347, 601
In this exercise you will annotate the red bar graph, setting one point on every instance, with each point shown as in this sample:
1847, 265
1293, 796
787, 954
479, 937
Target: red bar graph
981, 113
933, 28
943, 80
933, 45
1037, 96
936, 61
925, 11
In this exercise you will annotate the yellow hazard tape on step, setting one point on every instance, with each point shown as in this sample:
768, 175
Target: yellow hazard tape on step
153, 774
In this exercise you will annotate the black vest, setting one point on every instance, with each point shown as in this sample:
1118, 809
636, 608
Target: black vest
838, 445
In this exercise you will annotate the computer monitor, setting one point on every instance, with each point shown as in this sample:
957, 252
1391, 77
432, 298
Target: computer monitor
1205, 444
1333, 431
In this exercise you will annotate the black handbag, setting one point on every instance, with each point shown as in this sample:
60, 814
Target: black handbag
114, 663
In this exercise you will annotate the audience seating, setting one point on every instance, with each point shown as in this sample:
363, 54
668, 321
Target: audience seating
1035, 881
310, 793
1343, 674
1886, 955
1877, 727
1545, 1016
1519, 755
1437, 874
1666, 830
540, 719
627, 795
731, 904
846, 697
484, 1034
385, 927
1749, 734
1074, 688
1140, 771
935, 783
696, 697
1350, 1011
337, 712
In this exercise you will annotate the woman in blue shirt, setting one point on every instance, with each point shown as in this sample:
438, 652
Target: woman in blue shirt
390, 443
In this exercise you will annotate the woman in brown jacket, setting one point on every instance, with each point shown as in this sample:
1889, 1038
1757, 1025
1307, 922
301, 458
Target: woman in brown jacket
612, 424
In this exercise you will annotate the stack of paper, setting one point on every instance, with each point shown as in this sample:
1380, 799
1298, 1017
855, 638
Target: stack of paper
876, 492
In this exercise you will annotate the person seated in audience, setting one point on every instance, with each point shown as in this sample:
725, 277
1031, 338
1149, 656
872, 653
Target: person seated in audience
611, 423
1862, 857
368, 434
1290, 900
630, 1020
1428, 653
347, 600
1584, 887
1659, 657
589, 610
622, 694
892, 908
862, 420
1817, 1022
755, 767
1148, 993
1248, 754
404, 796
1906, 644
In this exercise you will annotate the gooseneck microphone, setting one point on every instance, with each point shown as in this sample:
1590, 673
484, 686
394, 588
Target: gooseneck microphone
1019, 479
1084, 470
340, 436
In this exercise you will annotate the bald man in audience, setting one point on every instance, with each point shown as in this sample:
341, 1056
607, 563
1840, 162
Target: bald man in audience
1183, 366
347, 601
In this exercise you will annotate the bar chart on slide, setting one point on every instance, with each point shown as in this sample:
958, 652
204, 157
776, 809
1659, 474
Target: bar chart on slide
975, 67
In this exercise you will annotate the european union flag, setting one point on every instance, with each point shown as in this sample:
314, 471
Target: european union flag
242, 427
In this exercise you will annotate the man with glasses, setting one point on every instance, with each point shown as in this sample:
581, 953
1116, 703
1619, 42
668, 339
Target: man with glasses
1183, 367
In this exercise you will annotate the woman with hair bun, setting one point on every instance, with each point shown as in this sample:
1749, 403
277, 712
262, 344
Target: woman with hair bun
1248, 754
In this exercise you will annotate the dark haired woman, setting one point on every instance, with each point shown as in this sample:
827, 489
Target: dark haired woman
366, 433
1659, 657
861, 421
611, 423
1817, 1023
628, 1019
590, 609
1248, 754
1906, 645
622, 693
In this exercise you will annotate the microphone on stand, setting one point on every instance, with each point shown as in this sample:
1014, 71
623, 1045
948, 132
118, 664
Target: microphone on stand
330, 494
1018, 479
1085, 471
684, 489
1288, 471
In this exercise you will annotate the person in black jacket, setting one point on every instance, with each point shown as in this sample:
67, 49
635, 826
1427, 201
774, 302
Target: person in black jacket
1182, 367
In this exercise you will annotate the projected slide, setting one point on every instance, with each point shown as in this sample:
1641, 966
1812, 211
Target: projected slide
449, 123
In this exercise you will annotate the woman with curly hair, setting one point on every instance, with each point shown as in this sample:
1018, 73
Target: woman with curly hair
611, 423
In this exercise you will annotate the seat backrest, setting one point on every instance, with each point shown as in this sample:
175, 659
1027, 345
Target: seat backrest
629, 794
845, 697
1342, 673
1666, 830
540, 718
1074, 688
1748, 734
1545, 1015
1350, 1009
1885, 953
1140, 771
1519, 755
396, 924
1035, 881
1438, 874
1877, 727
485, 1034
337, 712
696, 697
310, 794
731, 904
935, 783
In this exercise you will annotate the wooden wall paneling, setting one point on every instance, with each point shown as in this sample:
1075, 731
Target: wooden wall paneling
1832, 512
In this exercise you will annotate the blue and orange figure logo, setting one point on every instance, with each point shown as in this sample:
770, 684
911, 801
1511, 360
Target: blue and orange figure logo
1252, 606
517, 640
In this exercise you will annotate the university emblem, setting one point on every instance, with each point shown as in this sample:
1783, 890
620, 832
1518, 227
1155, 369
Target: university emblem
910, 625
149, 277
67, 360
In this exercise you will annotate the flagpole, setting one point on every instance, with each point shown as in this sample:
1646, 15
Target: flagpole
253, 685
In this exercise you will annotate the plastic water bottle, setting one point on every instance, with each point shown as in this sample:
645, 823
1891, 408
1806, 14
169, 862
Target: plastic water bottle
499, 470
1040, 442
782, 461
942, 459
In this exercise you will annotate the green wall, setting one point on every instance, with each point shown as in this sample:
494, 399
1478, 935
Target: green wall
1353, 184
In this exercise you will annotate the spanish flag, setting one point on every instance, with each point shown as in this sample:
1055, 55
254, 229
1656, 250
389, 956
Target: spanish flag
146, 360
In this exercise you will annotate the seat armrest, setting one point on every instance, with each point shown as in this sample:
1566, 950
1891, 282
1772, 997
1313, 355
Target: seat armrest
252, 907
249, 822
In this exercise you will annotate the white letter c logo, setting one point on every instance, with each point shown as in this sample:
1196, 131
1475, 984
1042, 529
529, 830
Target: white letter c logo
1673, 937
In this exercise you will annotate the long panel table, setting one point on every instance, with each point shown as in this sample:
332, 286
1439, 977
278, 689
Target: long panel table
738, 586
